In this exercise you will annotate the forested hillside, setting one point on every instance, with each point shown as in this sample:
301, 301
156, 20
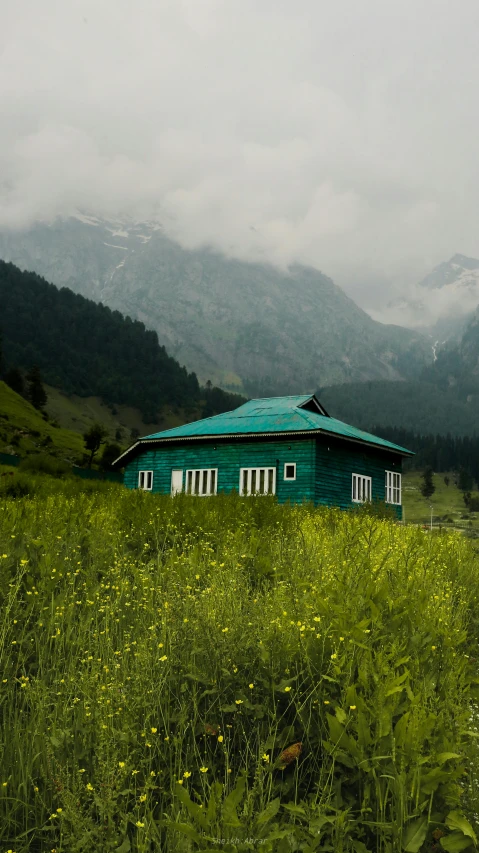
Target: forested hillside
87, 349
424, 406
246, 326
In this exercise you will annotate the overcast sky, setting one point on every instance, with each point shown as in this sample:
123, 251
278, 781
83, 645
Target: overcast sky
342, 134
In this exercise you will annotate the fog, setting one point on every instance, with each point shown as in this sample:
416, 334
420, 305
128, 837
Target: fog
341, 135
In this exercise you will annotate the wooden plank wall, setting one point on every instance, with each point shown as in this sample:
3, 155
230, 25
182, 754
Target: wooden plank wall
229, 458
336, 461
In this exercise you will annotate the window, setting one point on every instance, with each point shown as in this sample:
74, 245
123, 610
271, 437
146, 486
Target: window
145, 480
361, 488
201, 481
290, 471
393, 487
257, 481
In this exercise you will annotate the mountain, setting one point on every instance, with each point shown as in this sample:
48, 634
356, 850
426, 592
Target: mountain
421, 406
444, 399
243, 325
442, 302
85, 348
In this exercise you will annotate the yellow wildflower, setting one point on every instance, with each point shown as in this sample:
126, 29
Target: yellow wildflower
203, 769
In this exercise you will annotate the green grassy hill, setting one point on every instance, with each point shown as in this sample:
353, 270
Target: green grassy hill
23, 430
448, 508
79, 413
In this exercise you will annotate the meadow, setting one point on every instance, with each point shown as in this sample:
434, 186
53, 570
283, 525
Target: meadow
228, 674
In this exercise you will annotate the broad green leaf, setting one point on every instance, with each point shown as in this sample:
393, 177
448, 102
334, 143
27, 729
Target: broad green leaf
359, 847
415, 835
393, 690
336, 730
215, 796
193, 809
341, 740
445, 756
456, 820
236, 795
293, 808
456, 842
431, 781
230, 817
124, 847
269, 812
185, 829
364, 733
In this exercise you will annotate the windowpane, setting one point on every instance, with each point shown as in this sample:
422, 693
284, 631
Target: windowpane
354, 487
270, 481
253, 481
261, 487
141, 481
213, 482
204, 484
197, 482
149, 479
245, 482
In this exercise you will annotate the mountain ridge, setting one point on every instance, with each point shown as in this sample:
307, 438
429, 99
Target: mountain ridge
243, 325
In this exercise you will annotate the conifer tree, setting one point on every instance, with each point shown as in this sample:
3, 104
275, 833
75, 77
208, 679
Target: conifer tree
93, 439
36, 392
427, 487
14, 379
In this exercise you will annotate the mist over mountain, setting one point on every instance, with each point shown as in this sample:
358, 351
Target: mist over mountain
441, 303
245, 326
443, 399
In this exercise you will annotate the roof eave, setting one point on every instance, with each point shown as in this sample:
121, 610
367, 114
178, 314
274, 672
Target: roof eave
311, 432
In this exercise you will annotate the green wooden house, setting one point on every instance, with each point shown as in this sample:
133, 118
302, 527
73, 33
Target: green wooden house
286, 446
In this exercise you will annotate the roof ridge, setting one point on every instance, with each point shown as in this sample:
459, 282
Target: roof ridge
280, 397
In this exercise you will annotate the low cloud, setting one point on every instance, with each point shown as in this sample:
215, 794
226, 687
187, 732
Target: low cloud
338, 135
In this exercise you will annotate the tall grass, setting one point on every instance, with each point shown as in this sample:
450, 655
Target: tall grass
158, 656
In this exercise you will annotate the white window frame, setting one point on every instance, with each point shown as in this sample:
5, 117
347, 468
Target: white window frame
143, 478
289, 465
361, 488
201, 477
251, 475
393, 488
174, 490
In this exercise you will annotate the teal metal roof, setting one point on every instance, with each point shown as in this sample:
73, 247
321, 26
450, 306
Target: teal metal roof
268, 416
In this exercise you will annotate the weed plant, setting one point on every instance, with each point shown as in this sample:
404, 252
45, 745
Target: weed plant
228, 674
